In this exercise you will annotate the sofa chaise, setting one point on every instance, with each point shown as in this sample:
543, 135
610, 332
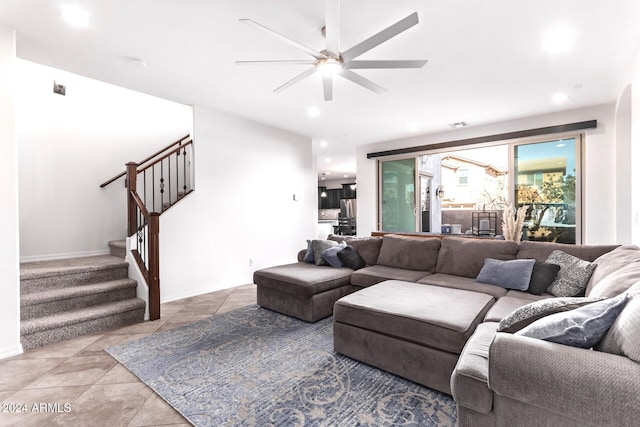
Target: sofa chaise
417, 310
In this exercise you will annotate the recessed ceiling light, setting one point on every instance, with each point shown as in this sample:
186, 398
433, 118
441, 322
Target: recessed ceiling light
137, 62
559, 98
323, 143
328, 160
346, 176
458, 125
557, 39
75, 16
313, 111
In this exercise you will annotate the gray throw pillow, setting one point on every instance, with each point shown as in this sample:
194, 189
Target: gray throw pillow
583, 327
319, 246
308, 257
527, 314
331, 255
512, 274
573, 277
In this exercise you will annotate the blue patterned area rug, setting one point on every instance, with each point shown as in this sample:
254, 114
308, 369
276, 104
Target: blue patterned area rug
254, 367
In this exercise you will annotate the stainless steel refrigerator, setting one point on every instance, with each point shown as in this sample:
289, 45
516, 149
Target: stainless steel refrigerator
347, 220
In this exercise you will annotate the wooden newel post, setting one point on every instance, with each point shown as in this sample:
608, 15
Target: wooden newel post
154, 266
132, 175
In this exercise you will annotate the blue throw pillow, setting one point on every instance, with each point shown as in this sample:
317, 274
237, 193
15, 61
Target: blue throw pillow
583, 327
308, 257
331, 255
512, 274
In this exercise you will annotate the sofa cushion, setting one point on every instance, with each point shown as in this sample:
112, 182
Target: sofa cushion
623, 336
379, 273
511, 274
528, 313
427, 315
583, 327
542, 276
410, 253
504, 307
308, 256
302, 279
616, 272
573, 276
464, 283
469, 381
465, 257
540, 251
350, 258
367, 247
526, 295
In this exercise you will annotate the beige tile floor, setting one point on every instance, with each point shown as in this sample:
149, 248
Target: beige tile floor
77, 383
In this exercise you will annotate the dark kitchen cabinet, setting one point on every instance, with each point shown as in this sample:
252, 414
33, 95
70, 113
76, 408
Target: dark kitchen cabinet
332, 201
348, 191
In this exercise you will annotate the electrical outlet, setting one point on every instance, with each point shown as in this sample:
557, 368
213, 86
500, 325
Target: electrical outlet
250, 262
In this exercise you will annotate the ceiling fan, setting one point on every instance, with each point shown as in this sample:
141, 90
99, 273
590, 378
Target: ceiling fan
331, 61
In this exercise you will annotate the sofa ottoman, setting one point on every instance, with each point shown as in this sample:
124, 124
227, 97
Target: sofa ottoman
301, 290
410, 329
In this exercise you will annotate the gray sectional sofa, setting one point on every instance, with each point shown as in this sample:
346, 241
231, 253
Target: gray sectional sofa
416, 310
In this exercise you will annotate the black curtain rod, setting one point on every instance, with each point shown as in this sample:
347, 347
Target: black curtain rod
569, 127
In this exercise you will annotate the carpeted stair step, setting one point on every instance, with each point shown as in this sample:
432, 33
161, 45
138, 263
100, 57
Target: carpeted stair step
118, 248
43, 275
62, 326
53, 301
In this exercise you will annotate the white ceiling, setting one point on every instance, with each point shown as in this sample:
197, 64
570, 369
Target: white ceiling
486, 59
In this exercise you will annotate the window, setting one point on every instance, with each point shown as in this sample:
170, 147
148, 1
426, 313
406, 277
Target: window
543, 174
463, 176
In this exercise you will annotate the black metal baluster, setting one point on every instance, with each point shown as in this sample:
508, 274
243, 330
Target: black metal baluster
161, 186
169, 181
177, 154
184, 169
144, 188
153, 187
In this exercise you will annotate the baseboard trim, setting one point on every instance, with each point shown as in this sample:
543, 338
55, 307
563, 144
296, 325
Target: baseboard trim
11, 351
52, 257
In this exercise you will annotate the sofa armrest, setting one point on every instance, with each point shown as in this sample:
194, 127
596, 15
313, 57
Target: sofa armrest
589, 386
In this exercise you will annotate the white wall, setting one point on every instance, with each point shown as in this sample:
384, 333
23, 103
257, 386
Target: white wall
242, 208
68, 145
634, 195
599, 198
9, 254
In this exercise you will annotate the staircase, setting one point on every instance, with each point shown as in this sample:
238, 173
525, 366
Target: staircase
63, 299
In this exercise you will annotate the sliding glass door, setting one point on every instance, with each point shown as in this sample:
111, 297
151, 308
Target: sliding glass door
398, 208
546, 180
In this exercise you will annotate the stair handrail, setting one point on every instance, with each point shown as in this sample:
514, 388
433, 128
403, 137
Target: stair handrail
167, 155
159, 152
150, 220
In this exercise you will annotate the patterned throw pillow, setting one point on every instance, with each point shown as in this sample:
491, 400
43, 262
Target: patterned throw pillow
512, 274
583, 327
526, 315
319, 246
573, 277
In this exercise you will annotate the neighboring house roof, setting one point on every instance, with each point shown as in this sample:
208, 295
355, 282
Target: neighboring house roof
451, 161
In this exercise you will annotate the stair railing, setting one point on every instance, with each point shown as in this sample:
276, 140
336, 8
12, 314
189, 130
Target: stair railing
152, 189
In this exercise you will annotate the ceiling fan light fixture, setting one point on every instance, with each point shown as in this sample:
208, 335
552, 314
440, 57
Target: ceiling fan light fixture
329, 66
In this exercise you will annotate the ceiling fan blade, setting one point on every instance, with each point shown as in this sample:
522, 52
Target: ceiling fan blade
381, 37
327, 85
332, 27
364, 82
284, 38
278, 62
296, 79
354, 65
